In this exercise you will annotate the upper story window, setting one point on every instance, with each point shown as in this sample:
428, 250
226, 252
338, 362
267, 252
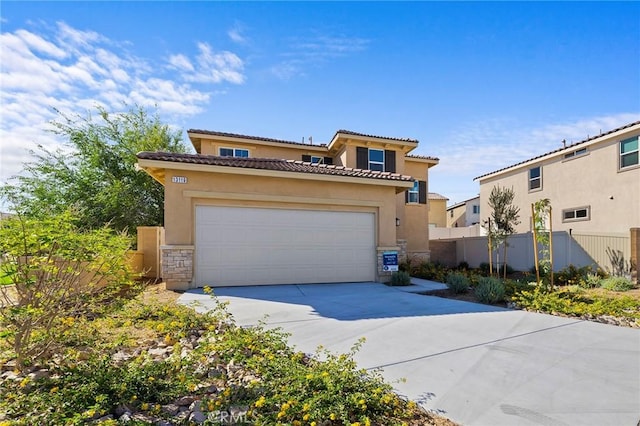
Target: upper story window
376, 160
629, 152
382, 160
416, 194
234, 152
476, 209
413, 195
316, 159
573, 215
535, 178
581, 151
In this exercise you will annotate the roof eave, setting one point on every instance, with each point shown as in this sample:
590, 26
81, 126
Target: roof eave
559, 152
340, 139
156, 168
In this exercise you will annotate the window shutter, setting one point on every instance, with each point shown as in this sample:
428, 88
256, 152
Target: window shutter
422, 195
406, 196
306, 158
389, 161
328, 160
362, 158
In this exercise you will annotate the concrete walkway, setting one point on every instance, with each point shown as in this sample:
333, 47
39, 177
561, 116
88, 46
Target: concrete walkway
476, 364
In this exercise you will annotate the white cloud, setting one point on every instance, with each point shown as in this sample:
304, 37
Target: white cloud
41, 45
312, 51
236, 34
45, 67
180, 62
210, 66
72, 37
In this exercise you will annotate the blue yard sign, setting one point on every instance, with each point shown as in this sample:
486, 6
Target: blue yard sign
390, 261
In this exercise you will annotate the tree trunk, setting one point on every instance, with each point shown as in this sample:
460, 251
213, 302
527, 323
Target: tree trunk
505, 259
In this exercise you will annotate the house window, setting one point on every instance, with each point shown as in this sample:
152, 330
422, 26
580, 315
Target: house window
234, 152
451, 213
535, 178
414, 193
629, 152
576, 153
316, 160
574, 215
417, 194
476, 209
376, 160
383, 160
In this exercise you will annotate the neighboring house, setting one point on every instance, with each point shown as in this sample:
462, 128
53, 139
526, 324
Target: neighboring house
465, 213
250, 210
593, 185
437, 210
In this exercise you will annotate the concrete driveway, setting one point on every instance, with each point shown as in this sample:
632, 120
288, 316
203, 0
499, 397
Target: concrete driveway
476, 364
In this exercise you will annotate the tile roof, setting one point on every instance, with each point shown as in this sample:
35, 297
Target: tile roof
423, 157
272, 164
567, 148
436, 196
349, 132
255, 138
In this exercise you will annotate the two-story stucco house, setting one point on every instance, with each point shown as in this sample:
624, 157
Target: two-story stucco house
249, 210
593, 185
464, 213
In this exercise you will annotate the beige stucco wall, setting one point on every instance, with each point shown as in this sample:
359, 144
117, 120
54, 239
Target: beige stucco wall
283, 151
414, 217
458, 217
204, 188
589, 180
438, 213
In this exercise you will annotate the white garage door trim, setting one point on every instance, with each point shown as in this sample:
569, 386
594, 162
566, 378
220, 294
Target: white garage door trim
237, 246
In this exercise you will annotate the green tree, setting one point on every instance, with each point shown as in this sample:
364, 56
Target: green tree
542, 236
95, 173
503, 219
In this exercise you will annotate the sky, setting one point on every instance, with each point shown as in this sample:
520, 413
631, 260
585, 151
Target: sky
481, 85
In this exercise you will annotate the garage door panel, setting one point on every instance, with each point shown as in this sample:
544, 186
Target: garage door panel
248, 246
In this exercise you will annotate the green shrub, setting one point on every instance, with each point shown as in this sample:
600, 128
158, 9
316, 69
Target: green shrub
400, 278
256, 366
490, 290
430, 271
60, 274
513, 287
591, 281
572, 275
569, 301
457, 282
463, 266
617, 284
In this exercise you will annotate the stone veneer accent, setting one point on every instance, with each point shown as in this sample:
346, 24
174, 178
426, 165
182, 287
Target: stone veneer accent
177, 266
402, 250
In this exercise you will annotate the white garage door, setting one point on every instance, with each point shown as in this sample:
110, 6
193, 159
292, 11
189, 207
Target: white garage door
253, 246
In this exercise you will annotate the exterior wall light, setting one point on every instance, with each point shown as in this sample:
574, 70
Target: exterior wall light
397, 222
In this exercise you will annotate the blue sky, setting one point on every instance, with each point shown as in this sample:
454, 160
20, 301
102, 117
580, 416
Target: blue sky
480, 85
